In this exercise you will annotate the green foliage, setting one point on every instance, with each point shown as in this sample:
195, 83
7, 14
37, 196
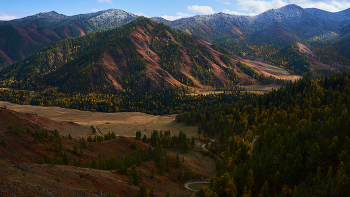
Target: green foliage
247, 70
144, 138
93, 129
138, 135
252, 73
143, 192
74, 64
167, 102
289, 59
135, 176
13, 40
105, 137
179, 141
301, 132
3, 61
285, 57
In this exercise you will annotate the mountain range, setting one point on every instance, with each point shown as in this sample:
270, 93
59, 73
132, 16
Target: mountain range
116, 50
287, 24
283, 26
141, 55
22, 37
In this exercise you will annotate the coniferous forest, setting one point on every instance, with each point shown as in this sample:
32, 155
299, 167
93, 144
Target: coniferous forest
301, 135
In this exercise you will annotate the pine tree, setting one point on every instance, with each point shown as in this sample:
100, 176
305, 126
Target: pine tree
265, 191
186, 146
144, 139
143, 192
152, 173
65, 159
151, 192
250, 179
75, 149
177, 160
199, 130
135, 176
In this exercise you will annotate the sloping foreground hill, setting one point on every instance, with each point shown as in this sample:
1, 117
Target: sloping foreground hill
38, 162
301, 135
142, 55
23, 37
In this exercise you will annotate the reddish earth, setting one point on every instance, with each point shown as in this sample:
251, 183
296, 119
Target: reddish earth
6, 57
66, 31
313, 60
31, 37
157, 78
51, 32
25, 34
21, 175
82, 33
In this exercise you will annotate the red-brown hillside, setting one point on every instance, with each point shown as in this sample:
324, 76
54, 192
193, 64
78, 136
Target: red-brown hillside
20, 173
141, 56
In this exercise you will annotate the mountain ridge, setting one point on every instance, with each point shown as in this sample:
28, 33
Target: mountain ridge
141, 56
288, 25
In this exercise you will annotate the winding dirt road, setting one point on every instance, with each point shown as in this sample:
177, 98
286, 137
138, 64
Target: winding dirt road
203, 182
96, 130
203, 146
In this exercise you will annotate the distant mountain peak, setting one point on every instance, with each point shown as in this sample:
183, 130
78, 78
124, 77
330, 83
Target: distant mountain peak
49, 14
117, 12
292, 6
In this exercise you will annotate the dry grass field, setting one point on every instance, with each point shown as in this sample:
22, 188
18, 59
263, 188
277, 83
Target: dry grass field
267, 70
78, 123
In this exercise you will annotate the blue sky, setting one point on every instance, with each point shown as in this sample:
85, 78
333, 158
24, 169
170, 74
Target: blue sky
169, 9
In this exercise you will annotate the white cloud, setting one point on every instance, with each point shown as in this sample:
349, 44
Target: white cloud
201, 9
341, 4
236, 13
331, 6
179, 15
104, 1
5, 17
141, 14
95, 10
260, 6
226, 2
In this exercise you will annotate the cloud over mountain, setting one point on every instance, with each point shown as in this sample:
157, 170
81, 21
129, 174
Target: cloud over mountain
259, 6
5, 17
201, 9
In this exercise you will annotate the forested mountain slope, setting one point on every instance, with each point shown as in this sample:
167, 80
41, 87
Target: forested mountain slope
142, 55
264, 36
243, 35
23, 37
302, 140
